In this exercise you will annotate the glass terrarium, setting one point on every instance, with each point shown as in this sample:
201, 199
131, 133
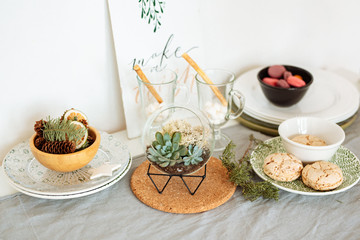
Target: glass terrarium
178, 140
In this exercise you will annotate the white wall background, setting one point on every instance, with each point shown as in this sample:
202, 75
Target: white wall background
55, 55
320, 33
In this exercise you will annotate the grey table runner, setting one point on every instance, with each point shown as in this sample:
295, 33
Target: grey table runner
116, 213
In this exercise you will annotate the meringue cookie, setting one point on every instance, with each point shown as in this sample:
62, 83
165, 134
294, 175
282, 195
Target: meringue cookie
283, 167
322, 176
309, 140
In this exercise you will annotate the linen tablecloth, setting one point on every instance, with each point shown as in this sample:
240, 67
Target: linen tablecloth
115, 213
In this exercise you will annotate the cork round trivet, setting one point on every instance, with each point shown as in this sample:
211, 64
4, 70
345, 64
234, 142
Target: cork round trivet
214, 191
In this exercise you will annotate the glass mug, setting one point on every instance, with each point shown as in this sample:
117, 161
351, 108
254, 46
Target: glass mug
219, 112
165, 84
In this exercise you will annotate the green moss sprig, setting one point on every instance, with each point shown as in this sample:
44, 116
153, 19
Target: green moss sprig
242, 174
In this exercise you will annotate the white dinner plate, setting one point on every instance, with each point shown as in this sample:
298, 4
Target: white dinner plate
344, 158
25, 172
330, 96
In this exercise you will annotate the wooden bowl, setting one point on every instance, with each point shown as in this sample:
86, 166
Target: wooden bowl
67, 162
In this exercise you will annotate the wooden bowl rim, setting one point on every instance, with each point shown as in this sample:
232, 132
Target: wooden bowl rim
95, 144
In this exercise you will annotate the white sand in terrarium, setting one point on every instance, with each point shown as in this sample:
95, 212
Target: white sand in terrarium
189, 134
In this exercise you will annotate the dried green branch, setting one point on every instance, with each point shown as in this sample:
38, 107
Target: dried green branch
61, 130
242, 174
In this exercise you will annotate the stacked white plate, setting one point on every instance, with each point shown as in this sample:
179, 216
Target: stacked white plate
28, 176
330, 96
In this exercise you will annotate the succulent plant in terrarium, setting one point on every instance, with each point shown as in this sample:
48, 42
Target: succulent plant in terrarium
178, 149
167, 150
194, 156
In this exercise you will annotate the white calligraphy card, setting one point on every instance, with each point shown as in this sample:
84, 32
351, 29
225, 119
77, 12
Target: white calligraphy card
153, 34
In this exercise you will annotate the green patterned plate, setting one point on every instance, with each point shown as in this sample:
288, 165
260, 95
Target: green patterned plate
344, 158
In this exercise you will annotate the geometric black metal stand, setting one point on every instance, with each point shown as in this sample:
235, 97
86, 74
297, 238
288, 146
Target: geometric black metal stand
176, 175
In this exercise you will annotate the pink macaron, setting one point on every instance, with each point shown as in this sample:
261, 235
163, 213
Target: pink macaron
276, 71
282, 83
287, 74
270, 81
295, 82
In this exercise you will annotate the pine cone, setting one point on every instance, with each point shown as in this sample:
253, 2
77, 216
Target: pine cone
90, 140
59, 147
39, 142
39, 127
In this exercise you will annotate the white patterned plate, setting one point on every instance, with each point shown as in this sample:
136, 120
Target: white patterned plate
344, 158
76, 195
26, 173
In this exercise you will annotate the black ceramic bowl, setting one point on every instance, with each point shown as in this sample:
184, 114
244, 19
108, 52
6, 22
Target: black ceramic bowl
285, 97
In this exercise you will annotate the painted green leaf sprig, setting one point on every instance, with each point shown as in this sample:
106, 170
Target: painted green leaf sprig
152, 10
